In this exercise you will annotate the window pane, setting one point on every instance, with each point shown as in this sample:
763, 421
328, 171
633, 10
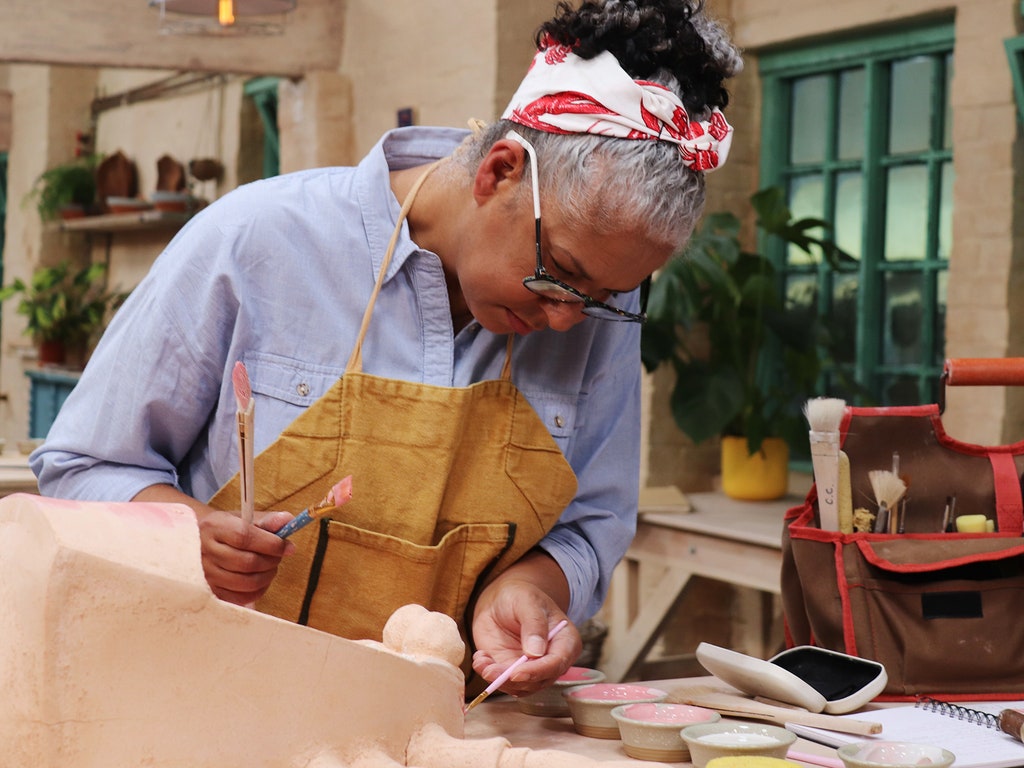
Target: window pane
947, 120
910, 105
849, 212
806, 201
906, 213
900, 390
802, 295
810, 105
843, 320
941, 289
852, 107
904, 306
946, 212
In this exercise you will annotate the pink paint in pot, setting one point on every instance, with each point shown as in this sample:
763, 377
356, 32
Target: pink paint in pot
578, 675
653, 712
616, 692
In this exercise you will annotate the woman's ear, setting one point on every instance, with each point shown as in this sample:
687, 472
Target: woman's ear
502, 168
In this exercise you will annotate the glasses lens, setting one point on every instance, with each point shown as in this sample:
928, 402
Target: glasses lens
550, 290
605, 313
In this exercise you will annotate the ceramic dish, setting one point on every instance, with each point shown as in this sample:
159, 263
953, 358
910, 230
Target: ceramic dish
127, 204
170, 201
733, 739
591, 705
894, 754
652, 731
817, 679
550, 702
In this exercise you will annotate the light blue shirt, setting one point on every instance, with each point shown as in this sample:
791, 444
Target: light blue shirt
277, 274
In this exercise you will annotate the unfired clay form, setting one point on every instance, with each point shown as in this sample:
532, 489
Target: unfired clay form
114, 652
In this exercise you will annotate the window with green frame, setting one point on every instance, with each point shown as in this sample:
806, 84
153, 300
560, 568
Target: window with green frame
858, 134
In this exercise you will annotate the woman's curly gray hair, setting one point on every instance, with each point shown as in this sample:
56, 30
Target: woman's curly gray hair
608, 184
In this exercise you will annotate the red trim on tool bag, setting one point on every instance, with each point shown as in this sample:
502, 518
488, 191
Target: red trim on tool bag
1008, 492
931, 411
866, 547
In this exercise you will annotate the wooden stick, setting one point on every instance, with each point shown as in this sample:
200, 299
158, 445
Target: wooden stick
739, 706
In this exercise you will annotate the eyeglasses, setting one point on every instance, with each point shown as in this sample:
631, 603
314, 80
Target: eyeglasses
543, 284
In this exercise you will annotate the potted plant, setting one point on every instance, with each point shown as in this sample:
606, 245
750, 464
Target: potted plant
64, 308
67, 190
712, 312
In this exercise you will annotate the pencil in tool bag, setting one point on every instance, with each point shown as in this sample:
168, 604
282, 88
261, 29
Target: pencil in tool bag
936, 596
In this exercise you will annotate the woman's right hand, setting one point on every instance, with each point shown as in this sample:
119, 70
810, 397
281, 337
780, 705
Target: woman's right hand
239, 560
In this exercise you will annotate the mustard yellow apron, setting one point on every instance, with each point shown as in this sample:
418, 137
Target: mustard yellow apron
450, 487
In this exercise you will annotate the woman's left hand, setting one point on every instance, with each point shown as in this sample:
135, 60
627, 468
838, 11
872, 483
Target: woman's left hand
514, 615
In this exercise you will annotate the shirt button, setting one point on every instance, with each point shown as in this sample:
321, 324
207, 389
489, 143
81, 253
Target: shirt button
559, 421
303, 389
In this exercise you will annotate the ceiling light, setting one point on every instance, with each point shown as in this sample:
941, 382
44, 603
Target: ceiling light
223, 17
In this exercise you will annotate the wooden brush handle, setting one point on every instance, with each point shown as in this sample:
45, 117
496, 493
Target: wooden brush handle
739, 706
827, 722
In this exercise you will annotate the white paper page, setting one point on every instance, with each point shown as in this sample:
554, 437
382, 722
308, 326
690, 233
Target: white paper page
975, 746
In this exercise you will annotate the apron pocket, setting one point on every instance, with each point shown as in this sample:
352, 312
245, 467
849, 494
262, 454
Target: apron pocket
359, 577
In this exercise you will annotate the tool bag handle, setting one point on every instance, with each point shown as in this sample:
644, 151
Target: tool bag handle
980, 372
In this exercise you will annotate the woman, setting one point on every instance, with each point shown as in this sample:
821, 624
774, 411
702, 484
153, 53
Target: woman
484, 291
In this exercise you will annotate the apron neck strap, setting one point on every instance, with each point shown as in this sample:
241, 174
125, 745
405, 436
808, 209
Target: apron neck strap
355, 361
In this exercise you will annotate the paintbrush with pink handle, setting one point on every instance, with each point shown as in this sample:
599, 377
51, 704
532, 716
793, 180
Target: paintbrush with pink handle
246, 411
504, 676
339, 494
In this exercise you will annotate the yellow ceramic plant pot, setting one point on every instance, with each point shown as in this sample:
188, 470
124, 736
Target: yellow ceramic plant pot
760, 476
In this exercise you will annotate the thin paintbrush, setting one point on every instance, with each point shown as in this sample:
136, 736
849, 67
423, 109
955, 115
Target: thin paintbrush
500, 679
340, 493
246, 410
824, 415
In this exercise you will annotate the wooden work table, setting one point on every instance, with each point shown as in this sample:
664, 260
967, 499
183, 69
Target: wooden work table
499, 716
709, 535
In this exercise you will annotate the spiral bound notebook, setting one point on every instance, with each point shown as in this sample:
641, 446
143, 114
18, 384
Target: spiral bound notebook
970, 730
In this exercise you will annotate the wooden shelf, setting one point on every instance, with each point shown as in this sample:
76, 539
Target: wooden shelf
127, 222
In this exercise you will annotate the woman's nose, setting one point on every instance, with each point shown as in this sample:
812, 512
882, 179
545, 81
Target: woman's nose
563, 315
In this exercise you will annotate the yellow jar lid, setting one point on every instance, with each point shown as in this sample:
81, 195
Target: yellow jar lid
750, 762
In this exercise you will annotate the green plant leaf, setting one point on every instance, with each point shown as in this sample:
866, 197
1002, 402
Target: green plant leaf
734, 296
704, 402
63, 306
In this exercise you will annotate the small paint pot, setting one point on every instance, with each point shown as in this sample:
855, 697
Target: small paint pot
653, 731
894, 754
590, 706
550, 701
732, 739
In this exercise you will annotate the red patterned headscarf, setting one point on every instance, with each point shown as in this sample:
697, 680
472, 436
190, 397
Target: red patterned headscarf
563, 93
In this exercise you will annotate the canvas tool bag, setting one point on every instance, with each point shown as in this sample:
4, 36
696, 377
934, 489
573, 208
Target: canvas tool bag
944, 612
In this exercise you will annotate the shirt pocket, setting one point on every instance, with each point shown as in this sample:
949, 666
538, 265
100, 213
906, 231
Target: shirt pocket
288, 380
558, 412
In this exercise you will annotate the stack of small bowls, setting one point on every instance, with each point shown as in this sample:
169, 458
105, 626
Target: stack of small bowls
591, 705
